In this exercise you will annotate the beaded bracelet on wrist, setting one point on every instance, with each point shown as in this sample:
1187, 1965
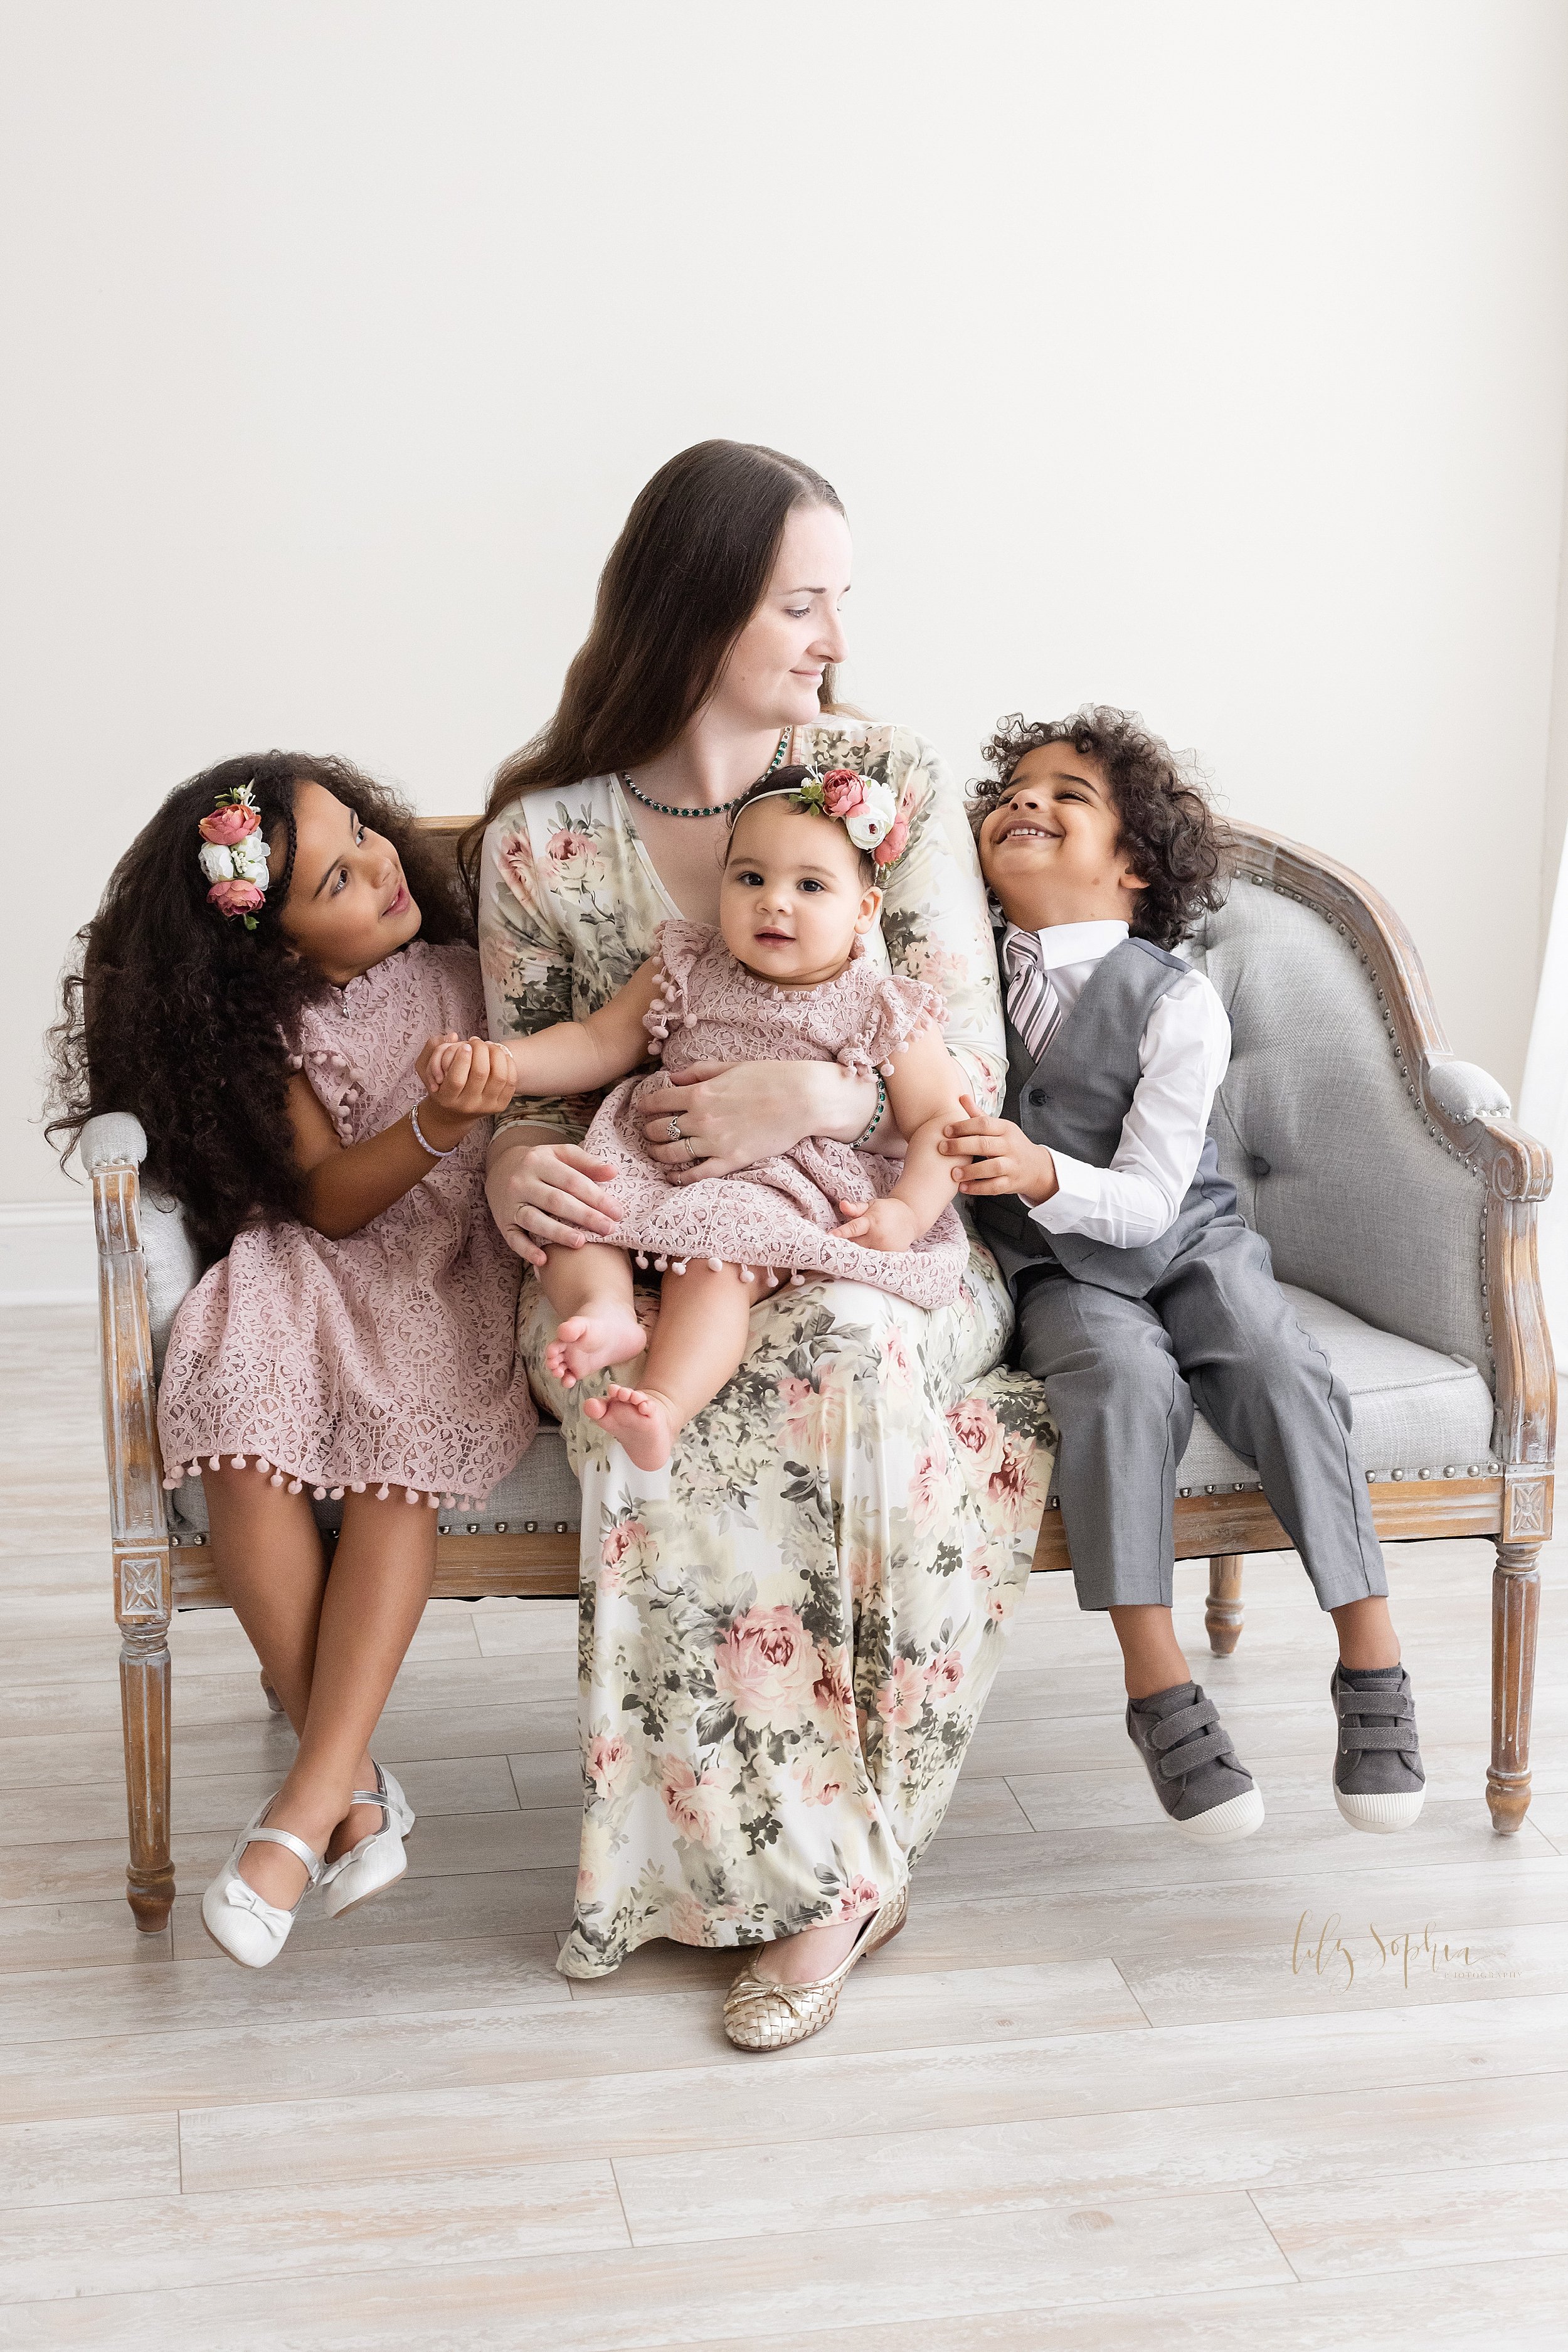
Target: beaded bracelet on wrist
420, 1137
876, 1118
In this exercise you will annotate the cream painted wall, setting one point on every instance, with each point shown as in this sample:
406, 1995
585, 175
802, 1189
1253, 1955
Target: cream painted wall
1205, 357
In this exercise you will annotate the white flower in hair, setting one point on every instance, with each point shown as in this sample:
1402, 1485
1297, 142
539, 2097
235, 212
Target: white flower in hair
217, 863
250, 859
873, 819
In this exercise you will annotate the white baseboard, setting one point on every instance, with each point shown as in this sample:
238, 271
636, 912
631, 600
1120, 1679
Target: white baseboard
47, 1257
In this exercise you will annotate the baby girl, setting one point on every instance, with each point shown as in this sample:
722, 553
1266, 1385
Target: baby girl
785, 976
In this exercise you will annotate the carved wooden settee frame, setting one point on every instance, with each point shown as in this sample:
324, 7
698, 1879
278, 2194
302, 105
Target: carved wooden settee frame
1512, 1503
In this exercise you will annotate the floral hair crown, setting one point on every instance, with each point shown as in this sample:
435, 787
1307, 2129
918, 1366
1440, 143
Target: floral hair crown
864, 805
234, 856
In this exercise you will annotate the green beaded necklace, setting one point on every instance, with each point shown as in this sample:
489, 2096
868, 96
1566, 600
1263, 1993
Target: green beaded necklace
717, 808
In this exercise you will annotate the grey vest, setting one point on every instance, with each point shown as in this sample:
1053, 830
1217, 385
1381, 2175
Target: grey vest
1077, 1098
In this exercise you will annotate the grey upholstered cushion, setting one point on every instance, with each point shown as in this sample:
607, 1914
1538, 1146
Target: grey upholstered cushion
1419, 1414
1333, 1162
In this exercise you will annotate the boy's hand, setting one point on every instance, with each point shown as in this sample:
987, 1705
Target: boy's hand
879, 1224
1001, 1158
465, 1079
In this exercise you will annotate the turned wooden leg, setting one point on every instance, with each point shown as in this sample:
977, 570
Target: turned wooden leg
1222, 1618
1515, 1601
141, 1608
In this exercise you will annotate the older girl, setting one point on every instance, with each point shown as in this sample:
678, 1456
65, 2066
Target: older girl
789, 1631
278, 985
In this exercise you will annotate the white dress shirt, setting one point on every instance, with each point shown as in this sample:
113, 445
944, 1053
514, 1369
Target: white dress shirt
1183, 1054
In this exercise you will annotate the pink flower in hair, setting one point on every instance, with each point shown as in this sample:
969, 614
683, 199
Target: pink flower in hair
229, 824
843, 793
890, 848
890, 845
236, 897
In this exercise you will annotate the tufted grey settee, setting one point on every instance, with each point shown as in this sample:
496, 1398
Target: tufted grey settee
1398, 1198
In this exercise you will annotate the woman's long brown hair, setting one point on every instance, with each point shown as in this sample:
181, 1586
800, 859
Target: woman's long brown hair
686, 575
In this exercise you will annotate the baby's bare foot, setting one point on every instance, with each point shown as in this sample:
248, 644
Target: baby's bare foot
644, 1423
588, 1343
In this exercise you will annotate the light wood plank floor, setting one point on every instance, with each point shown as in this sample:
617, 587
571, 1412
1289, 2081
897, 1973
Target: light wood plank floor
1105, 2091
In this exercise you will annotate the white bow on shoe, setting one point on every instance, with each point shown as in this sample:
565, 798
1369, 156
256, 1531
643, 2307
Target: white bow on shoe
241, 1922
378, 1860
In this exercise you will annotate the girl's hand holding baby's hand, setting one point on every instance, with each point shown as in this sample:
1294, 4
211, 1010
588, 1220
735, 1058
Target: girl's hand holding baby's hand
465, 1079
1000, 1156
886, 1225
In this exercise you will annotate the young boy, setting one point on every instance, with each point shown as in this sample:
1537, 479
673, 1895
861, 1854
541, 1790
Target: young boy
1139, 1290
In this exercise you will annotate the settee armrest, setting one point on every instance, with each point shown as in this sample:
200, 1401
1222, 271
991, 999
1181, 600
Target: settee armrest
137, 1515
1466, 1117
1463, 1091
113, 1138
170, 1262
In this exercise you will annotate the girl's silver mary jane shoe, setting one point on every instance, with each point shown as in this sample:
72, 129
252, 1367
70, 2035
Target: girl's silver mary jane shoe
242, 1923
378, 1860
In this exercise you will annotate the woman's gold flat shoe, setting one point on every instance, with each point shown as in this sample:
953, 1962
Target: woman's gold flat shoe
761, 2015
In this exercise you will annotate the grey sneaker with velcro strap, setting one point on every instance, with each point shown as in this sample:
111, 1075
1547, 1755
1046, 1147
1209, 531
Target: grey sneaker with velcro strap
1206, 1790
1378, 1780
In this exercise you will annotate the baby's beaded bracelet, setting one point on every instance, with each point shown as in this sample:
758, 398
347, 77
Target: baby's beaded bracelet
876, 1118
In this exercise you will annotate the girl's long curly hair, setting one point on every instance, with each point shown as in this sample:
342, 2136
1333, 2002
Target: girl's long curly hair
1173, 841
176, 1012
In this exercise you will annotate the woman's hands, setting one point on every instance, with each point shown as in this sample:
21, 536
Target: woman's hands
465, 1079
732, 1114
548, 1193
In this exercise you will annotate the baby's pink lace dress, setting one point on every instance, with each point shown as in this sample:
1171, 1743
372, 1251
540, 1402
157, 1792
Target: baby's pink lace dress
780, 1212
387, 1358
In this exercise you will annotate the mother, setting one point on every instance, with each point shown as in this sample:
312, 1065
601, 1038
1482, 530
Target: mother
786, 1636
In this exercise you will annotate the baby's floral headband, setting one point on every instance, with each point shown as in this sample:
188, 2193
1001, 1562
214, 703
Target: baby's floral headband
234, 856
864, 805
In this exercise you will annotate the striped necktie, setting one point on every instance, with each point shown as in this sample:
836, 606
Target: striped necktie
1034, 1006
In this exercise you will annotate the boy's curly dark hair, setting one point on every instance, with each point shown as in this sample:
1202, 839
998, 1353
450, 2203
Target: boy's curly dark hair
172, 1011
1173, 841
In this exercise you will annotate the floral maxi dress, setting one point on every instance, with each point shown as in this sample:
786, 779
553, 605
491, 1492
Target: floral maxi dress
786, 1635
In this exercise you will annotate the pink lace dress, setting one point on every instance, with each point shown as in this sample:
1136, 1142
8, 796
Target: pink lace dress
780, 1212
388, 1358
